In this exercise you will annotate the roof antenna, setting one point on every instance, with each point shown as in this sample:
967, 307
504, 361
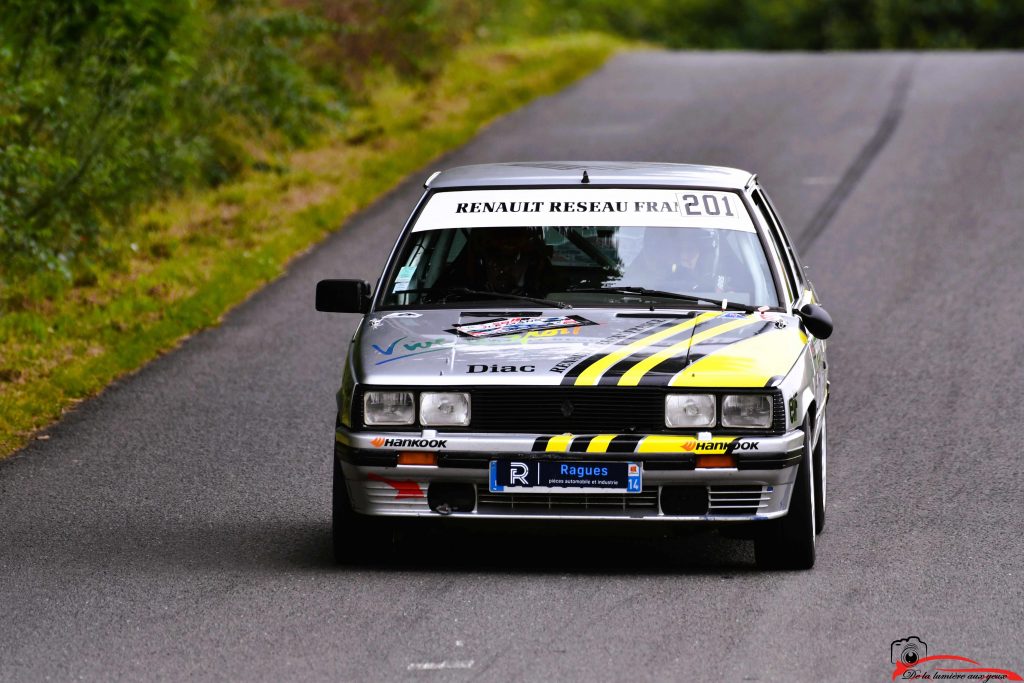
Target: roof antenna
586, 178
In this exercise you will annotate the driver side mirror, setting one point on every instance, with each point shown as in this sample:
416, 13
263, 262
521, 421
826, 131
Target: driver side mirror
817, 320
343, 296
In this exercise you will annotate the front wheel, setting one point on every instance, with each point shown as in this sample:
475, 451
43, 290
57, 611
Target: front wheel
357, 538
820, 463
788, 542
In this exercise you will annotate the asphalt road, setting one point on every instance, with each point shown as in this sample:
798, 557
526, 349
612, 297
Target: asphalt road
177, 527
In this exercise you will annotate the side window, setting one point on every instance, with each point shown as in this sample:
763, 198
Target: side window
792, 284
797, 267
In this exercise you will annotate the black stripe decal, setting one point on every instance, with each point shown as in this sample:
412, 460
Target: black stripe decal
661, 373
623, 443
541, 444
580, 443
621, 339
709, 346
615, 372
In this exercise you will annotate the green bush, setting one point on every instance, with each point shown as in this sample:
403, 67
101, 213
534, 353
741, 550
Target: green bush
777, 24
108, 103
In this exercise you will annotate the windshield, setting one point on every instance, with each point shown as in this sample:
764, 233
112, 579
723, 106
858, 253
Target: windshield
548, 244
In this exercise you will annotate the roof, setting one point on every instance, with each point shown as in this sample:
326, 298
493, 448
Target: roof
616, 173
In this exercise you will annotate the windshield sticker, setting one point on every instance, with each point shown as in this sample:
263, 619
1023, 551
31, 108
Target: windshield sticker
568, 207
506, 326
405, 275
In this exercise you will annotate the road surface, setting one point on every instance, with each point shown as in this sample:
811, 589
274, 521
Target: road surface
177, 527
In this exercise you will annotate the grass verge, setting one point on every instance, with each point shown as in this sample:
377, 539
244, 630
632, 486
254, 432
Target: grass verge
178, 267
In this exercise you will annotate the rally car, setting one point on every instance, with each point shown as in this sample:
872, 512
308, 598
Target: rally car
586, 341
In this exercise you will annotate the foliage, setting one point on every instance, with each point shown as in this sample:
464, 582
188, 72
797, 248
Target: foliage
412, 37
778, 24
182, 263
109, 103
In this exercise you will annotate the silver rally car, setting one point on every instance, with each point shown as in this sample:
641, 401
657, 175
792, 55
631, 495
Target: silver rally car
586, 341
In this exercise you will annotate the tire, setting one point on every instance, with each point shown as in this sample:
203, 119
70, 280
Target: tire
820, 471
788, 542
357, 538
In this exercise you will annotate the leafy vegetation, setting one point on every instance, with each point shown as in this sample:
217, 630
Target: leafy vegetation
183, 262
108, 104
160, 159
778, 24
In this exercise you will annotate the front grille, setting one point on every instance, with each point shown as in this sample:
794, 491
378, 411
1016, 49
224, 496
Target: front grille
580, 410
720, 500
738, 500
597, 410
569, 503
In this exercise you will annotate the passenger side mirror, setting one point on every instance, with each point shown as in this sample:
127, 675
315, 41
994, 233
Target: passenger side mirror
343, 296
817, 320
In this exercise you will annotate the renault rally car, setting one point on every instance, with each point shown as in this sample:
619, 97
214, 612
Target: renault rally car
586, 341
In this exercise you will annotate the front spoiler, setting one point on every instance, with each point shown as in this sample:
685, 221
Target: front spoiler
377, 485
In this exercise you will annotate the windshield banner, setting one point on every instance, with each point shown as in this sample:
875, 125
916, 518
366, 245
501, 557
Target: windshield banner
676, 208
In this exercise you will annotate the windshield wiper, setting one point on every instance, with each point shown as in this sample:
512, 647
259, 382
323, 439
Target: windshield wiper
723, 304
445, 292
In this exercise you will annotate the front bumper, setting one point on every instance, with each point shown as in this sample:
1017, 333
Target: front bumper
674, 488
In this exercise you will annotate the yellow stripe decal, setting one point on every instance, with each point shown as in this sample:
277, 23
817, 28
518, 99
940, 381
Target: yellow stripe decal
560, 443
747, 363
592, 375
633, 376
599, 444
684, 444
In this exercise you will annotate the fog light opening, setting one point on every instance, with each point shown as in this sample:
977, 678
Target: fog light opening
684, 500
446, 498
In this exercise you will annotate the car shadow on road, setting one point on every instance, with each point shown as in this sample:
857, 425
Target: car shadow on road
554, 549
112, 542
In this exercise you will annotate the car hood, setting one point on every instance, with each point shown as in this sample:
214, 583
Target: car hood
581, 347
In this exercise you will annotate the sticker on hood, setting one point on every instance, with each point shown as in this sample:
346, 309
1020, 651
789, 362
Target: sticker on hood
504, 326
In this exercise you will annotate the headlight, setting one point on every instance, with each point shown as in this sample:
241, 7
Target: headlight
747, 410
449, 408
389, 408
690, 410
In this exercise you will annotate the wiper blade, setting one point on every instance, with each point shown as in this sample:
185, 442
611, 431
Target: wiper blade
445, 292
724, 304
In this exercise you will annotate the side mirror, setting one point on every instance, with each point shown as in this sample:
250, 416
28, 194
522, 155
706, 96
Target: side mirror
817, 320
343, 296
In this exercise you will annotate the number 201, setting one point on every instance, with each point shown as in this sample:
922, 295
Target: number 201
709, 202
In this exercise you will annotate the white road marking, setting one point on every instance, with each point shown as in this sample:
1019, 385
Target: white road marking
436, 666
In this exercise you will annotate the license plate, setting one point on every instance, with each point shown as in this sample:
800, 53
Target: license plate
548, 476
